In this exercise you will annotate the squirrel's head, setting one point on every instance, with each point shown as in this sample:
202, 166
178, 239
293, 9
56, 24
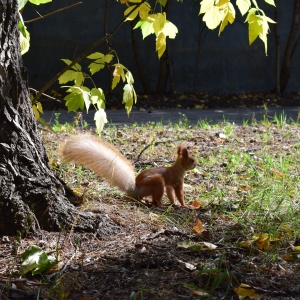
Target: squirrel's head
188, 162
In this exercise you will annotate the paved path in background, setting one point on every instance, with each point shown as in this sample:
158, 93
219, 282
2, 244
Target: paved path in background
237, 116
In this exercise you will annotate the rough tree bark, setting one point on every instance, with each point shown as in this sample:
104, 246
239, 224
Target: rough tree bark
31, 197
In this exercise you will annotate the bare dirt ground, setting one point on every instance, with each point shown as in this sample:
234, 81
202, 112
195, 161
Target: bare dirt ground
143, 259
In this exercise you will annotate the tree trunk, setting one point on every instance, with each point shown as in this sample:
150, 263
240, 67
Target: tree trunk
290, 44
31, 197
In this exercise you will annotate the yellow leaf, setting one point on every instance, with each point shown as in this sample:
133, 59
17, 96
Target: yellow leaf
159, 22
262, 241
39, 107
131, 12
115, 81
213, 17
161, 44
229, 15
246, 244
245, 290
286, 228
36, 113
243, 5
296, 248
206, 5
255, 26
144, 10
258, 26
170, 30
77, 191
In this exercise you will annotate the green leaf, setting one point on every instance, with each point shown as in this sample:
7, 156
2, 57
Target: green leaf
44, 265
76, 67
129, 97
146, 27
72, 75
98, 98
36, 260
96, 55
100, 60
69, 75
38, 2
24, 41
78, 97
108, 58
139, 24
24, 36
96, 66
100, 120
79, 78
86, 96
74, 101
243, 5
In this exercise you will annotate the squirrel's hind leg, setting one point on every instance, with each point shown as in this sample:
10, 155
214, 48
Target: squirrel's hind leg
152, 185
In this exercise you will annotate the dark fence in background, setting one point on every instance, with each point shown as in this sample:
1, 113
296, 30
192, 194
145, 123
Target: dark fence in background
200, 60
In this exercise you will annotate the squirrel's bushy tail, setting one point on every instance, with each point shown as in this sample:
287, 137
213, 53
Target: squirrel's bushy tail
102, 158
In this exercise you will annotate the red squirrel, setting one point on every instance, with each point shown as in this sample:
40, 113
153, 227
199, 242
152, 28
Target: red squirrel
107, 162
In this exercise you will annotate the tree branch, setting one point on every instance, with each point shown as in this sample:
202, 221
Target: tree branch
85, 53
52, 13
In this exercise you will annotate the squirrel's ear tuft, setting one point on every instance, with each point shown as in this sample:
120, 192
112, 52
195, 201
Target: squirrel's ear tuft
184, 152
179, 150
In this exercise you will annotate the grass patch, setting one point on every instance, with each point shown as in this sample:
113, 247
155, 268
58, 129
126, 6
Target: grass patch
247, 229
